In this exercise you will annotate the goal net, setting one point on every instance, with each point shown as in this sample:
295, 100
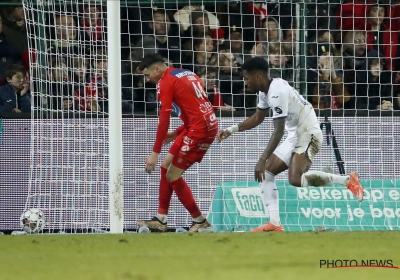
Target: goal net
327, 51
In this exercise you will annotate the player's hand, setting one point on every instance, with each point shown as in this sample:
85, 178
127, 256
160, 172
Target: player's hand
151, 162
223, 134
259, 171
171, 136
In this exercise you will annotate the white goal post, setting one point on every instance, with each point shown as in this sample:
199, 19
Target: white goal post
116, 180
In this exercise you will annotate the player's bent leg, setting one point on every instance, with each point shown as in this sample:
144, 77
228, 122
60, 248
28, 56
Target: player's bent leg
321, 179
185, 157
185, 196
182, 190
174, 173
307, 146
275, 165
299, 165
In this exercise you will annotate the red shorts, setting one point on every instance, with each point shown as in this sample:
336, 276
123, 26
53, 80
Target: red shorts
187, 150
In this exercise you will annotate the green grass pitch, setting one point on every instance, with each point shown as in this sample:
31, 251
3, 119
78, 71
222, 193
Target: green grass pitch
205, 256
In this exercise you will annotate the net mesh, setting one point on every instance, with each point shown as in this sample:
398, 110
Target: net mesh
323, 49
69, 154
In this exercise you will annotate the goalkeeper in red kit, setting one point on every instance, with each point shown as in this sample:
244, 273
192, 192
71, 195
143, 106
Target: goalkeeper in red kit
182, 91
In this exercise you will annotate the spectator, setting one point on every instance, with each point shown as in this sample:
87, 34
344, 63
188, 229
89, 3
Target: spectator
61, 90
260, 49
237, 47
374, 89
329, 90
202, 22
278, 58
99, 77
209, 79
195, 21
92, 23
230, 79
380, 37
270, 31
325, 35
15, 95
289, 35
99, 83
199, 27
202, 55
161, 41
227, 63
144, 95
9, 54
85, 92
131, 27
289, 38
354, 49
248, 17
66, 43
14, 26
396, 90
235, 43
354, 58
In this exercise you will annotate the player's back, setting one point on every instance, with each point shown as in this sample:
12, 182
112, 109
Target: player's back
298, 111
189, 100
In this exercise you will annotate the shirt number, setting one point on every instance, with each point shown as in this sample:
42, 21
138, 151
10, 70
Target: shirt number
200, 93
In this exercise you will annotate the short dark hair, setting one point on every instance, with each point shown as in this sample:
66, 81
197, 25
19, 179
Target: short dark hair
150, 59
13, 69
255, 64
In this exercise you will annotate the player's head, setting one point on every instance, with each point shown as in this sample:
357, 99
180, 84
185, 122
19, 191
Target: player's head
255, 73
153, 67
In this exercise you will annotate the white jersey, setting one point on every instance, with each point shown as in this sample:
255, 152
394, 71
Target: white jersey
286, 102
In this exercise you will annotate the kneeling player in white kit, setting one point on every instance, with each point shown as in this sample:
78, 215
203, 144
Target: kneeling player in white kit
295, 114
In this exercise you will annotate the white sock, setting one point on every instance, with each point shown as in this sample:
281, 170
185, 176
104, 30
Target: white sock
162, 218
199, 219
270, 197
320, 179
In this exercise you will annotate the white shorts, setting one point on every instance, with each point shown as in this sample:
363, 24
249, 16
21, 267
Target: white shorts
308, 143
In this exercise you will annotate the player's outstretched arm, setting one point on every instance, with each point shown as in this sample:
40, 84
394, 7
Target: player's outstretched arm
249, 123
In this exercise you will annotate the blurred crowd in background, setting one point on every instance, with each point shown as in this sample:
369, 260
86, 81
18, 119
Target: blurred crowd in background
339, 56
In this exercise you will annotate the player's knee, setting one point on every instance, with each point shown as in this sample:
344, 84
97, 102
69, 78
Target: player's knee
171, 177
295, 181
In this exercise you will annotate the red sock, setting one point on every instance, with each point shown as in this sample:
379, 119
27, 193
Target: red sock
185, 196
165, 193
